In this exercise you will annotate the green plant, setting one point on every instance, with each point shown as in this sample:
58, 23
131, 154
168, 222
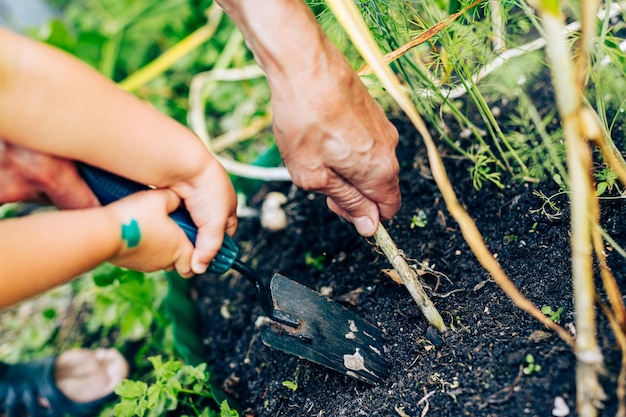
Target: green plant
316, 262
548, 208
483, 169
291, 385
606, 180
531, 366
554, 315
174, 386
128, 301
510, 238
419, 220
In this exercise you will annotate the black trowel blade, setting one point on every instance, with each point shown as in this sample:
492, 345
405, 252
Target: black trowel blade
328, 334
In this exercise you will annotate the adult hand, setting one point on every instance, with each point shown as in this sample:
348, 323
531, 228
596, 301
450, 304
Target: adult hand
27, 175
334, 138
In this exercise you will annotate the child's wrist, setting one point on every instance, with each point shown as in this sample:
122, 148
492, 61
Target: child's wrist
130, 233
125, 230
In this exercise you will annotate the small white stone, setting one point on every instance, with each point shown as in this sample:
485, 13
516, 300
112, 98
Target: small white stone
326, 291
560, 407
273, 217
261, 321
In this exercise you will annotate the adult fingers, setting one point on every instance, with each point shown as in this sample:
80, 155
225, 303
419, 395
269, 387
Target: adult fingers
350, 203
69, 191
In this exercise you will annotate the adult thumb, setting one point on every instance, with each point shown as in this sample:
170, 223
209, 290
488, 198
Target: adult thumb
364, 217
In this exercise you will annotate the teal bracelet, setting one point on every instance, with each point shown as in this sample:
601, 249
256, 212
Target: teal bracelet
131, 234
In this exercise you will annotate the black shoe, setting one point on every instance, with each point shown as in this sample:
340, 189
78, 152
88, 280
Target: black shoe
29, 390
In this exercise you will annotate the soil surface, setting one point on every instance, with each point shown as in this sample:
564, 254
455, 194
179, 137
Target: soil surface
478, 369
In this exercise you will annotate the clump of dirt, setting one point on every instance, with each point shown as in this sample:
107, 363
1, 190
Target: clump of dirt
482, 368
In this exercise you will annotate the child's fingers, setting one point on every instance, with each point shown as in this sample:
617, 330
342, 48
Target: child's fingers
208, 244
172, 201
183, 264
209, 241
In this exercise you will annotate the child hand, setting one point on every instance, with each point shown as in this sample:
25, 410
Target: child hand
210, 199
149, 239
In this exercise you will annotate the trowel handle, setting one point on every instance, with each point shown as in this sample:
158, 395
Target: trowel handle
109, 187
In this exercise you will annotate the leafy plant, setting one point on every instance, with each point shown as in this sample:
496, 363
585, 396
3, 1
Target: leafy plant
531, 366
127, 301
483, 169
316, 262
548, 208
554, 315
419, 220
607, 180
174, 386
291, 385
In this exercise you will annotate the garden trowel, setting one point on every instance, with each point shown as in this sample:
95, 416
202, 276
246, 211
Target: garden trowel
304, 323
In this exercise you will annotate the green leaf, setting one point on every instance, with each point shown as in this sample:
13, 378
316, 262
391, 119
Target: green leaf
135, 323
131, 389
226, 411
105, 274
104, 313
126, 408
55, 33
103, 280
290, 385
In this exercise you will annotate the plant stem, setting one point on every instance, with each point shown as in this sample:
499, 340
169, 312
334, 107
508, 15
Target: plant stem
165, 61
579, 161
110, 51
409, 277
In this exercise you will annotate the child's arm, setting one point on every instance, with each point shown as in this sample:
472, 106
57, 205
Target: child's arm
53, 103
41, 251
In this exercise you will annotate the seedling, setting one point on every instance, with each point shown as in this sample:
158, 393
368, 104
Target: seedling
553, 315
549, 208
484, 170
607, 180
531, 366
419, 220
291, 385
510, 238
316, 262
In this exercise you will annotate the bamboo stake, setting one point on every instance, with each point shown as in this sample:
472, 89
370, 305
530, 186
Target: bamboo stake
589, 393
351, 20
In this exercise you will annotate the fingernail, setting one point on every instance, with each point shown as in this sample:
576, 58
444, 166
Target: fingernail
199, 268
364, 225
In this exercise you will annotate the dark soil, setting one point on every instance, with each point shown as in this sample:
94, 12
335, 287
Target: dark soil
477, 371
